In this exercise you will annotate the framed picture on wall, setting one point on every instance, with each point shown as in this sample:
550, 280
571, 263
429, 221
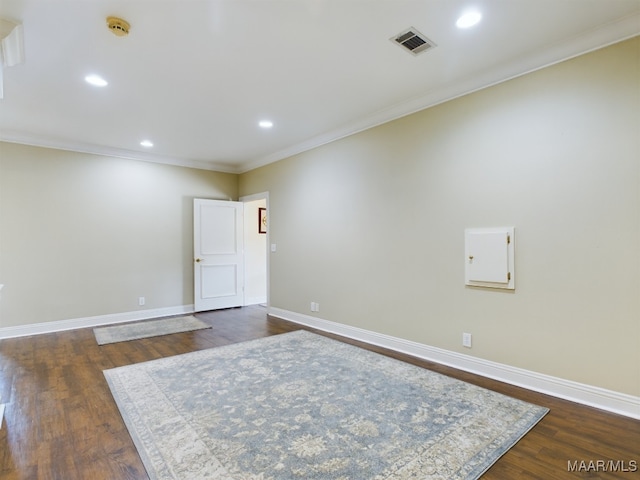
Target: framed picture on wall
262, 220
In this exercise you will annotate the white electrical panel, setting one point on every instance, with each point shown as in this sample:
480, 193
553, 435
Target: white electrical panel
489, 257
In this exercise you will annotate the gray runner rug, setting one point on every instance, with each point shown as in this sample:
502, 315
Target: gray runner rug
149, 328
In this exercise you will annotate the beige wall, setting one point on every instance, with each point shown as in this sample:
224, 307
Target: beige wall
84, 235
372, 226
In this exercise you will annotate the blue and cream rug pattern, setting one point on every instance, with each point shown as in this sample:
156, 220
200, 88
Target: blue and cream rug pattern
302, 406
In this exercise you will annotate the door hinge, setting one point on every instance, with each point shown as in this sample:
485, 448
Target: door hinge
508, 276
508, 239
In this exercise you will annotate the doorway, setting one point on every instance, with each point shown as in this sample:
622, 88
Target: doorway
256, 244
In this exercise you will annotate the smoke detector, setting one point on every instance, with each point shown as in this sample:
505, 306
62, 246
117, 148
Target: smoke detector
118, 26
413, 41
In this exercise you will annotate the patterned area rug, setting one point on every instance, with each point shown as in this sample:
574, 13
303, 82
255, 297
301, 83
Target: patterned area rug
151, 328
302, 406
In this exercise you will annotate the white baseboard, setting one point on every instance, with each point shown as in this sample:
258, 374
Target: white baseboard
62, 325
597, 397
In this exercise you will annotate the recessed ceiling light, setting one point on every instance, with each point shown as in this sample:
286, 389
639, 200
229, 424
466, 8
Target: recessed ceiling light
265, 124
96, 80
146, 143
469, 19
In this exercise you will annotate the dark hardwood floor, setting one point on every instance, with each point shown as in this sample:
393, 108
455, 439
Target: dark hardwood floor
61, 421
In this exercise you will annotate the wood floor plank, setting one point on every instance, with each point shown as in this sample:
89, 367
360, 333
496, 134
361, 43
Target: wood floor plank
61, 421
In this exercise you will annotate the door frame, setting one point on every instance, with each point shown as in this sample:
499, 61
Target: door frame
251, 198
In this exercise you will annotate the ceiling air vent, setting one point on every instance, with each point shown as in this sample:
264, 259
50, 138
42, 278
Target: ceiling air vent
413, 41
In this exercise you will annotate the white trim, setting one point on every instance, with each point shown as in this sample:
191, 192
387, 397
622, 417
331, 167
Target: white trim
602, 36
597, 397
255, 300
72, 324
80, 147
594, 39
252, 198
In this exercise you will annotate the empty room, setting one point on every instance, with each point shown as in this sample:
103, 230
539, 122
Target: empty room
319, 239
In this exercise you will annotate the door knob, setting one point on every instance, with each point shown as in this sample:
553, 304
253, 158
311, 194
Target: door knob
198, 260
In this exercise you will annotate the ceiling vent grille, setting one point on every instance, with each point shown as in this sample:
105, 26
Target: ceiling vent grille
413, 41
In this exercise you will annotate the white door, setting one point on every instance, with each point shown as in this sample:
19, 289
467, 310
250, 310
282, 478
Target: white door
218, 256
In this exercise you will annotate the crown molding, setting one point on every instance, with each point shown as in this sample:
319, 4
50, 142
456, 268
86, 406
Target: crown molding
594, 39
71, 146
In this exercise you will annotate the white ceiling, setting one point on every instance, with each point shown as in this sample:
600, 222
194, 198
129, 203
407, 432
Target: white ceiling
196, 76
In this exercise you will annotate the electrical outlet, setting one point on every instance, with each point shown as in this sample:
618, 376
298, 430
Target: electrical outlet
315, 307
466, 340
141, 301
